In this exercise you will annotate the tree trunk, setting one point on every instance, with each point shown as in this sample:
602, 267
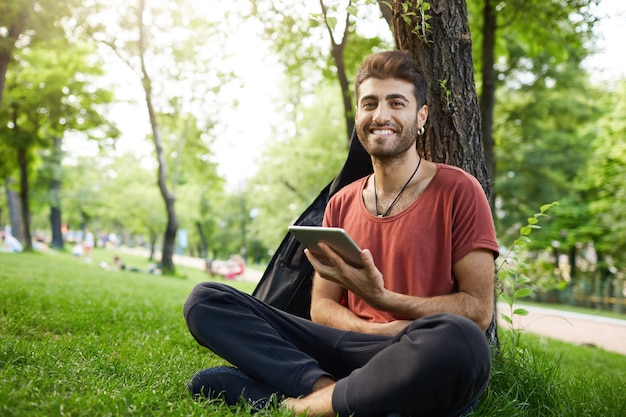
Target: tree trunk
54, 192
444, 53
153, 242
440, 40
15, 213
572, 255
22, 160
203, 247
337, 50
488, 93
169, 237
55, 224
8, 44
618, 307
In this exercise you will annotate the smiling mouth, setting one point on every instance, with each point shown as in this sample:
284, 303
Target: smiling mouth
382, 132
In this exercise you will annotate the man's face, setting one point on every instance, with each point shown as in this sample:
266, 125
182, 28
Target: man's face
387, 117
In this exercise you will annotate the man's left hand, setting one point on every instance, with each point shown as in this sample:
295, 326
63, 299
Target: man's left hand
366, 282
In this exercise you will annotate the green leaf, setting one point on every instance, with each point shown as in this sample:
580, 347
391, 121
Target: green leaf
520, 312
504, 297
332, 22
522, 293
547, 207
506, 318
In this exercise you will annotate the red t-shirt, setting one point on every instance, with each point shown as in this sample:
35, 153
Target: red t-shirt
416, 248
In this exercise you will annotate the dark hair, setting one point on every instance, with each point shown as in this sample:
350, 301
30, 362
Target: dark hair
393, 64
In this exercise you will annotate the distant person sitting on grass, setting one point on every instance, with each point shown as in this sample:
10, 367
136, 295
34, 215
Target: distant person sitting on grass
119, 265
229, 269
10, 243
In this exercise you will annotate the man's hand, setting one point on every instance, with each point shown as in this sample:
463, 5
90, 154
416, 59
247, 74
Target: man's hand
366, 282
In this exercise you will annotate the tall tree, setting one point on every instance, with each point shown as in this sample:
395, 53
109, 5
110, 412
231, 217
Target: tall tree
292, 170
290, 31
512, 36
439, 38
49, 94
171, 47
169, 198
605, 185
14, 17
23, 23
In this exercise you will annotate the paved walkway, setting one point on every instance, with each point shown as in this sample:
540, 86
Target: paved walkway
576, 328
581, 329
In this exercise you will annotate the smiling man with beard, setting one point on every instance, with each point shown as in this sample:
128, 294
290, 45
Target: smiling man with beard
403, 334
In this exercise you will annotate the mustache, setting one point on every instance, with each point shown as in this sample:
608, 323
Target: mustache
390, 124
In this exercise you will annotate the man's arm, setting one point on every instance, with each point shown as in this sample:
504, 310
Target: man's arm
326, 308
474, 274
474, 299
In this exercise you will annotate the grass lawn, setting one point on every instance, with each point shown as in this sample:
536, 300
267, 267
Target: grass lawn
79, 340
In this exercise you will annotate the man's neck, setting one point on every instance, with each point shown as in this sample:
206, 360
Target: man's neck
392, 175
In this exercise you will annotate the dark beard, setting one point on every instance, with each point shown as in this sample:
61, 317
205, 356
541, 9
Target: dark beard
406, 141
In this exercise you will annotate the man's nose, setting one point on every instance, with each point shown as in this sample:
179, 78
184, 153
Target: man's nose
382, 114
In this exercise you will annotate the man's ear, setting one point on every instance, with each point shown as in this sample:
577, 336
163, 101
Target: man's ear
422, 115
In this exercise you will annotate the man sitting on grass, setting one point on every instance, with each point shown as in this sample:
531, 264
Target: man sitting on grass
403, 334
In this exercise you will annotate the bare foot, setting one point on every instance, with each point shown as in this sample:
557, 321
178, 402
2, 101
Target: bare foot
318, 403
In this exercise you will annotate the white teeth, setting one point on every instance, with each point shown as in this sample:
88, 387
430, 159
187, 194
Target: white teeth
382, 132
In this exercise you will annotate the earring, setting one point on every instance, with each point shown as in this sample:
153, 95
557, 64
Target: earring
421, 131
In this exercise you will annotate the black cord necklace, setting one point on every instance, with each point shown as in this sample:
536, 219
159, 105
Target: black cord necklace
399, 194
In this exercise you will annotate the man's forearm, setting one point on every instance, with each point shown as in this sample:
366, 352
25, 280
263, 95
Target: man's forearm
461, 303
333, 314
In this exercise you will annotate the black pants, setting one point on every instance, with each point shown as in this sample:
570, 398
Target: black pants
437, 366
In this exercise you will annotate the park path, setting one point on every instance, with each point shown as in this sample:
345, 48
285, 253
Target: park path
581, 329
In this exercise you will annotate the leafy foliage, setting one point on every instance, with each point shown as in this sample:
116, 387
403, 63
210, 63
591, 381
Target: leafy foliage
515, 285
294, 170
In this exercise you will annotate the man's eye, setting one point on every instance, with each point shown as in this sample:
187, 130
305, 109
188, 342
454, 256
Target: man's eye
369, 105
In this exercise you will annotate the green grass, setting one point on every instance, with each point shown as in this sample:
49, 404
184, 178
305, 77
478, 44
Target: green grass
78, 340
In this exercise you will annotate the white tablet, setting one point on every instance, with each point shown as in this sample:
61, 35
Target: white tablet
335, 237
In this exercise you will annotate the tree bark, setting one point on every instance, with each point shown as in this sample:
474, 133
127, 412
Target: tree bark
169, 237
337, 50
488, 93
440, 40
22, 160
7, 46
444, 55
203, 247
15, 213
54, 192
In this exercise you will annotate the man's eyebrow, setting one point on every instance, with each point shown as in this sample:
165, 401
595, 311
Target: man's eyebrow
396, 97
369, 97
